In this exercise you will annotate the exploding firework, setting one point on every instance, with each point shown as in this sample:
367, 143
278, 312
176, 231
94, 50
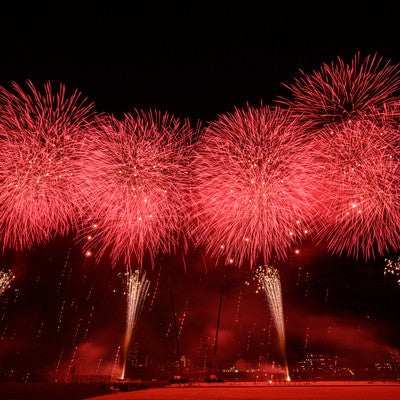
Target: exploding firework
136, 172
40, 134
270, 284
359, 189
6, 278
137, 286
250, 179
340, 91
392, 268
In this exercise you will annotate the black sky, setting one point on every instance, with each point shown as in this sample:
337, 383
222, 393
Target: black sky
194, 59
191, 58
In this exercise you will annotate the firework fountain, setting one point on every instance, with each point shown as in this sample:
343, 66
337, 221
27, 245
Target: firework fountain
250, 191
137, 177
137, 286
269, 283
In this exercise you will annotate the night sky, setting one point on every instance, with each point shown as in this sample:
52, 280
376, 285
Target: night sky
65, 313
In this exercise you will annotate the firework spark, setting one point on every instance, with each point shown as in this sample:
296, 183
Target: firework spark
137, 286
250, 179
392, 268
359, 189
40, 134
138, 180
6, 278
270, 284
340, 91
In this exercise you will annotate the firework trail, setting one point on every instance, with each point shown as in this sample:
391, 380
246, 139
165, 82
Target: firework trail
269, 282
359, 189
340, 91
137, 286
40, 134
250, 178
6, 278
137, 176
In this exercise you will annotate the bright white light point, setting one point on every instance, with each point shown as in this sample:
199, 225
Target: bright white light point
354, 205
297, 222
89, 237
231, 261
305, 230
297, 251
291, 233
222, 246
88, 253
246, 239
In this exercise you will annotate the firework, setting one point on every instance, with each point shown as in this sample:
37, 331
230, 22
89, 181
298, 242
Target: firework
250, 177
6, 278
392, 268
137, 286
270, 284
137, 178
340, 91
359, 189
40, 134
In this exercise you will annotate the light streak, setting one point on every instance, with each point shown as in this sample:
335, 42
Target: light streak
137, 286
270, 284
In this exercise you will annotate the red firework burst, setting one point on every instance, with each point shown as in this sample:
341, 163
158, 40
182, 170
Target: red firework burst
40, 132
340, 91
137, 177
359, 185
250, 179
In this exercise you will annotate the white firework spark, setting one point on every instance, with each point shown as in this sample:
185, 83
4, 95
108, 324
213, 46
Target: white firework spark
6, 277
269, 282
137, 286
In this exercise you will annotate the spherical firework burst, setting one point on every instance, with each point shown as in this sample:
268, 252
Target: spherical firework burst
250, 180
137, 175
359, 186
40, 133
340, 91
